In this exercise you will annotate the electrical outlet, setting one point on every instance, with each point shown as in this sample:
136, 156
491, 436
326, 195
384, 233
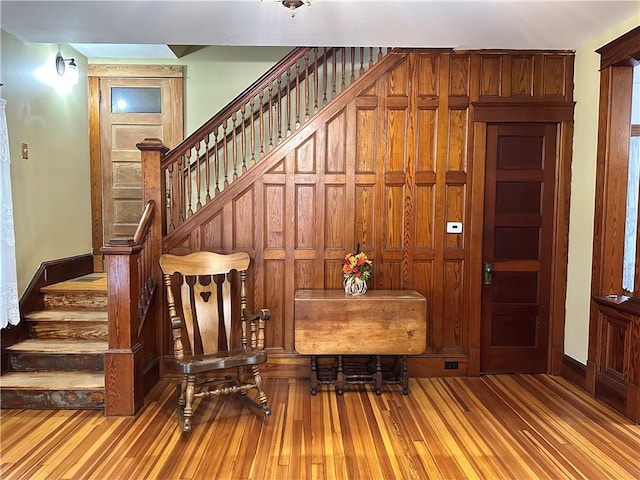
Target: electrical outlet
25, 151
450, 365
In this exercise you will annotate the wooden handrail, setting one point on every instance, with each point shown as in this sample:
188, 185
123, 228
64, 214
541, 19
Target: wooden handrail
145, 223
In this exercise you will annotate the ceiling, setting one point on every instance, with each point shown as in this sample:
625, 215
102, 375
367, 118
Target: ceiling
116, 28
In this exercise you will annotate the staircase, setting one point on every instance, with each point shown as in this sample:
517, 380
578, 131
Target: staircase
61, 364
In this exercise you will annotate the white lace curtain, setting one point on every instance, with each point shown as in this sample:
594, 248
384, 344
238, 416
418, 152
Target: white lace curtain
9, 311
631, 227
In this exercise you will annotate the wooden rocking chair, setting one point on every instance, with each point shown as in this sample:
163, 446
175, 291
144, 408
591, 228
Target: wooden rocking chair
212, 321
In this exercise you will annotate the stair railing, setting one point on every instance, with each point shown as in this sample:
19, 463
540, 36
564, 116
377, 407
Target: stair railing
258, 120
131, 284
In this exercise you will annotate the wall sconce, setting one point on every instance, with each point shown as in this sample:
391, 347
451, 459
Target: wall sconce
66, 67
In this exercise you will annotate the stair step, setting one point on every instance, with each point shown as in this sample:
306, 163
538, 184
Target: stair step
68, 315
59, 346
65, 324
52, 390
92, 283
36, 354
75, 300
88, 292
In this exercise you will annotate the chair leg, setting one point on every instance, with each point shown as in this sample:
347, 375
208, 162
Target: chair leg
188, 398
262, 397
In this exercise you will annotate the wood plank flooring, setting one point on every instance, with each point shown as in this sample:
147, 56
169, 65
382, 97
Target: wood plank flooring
492, 427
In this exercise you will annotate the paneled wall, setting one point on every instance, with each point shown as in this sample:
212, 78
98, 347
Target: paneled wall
385, 166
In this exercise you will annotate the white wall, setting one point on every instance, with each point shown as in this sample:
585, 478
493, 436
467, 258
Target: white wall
585, 139
51, 190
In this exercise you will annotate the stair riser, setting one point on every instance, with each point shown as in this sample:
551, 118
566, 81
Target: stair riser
85, 330
59, 399
34, 362
73, 301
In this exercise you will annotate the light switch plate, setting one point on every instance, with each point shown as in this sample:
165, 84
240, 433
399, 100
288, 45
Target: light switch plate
454, 227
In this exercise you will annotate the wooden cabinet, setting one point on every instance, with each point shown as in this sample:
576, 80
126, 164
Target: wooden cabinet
381, 322
613, 375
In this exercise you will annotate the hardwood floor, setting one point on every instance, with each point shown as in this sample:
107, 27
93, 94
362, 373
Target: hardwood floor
491, 427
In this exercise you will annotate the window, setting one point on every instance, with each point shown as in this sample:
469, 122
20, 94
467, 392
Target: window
633, 186
616, 269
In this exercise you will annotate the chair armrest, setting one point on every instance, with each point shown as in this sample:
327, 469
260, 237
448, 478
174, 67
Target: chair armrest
176, 329
263, 314
257, 333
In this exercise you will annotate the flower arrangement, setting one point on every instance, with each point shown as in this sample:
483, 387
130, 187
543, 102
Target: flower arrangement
357, 265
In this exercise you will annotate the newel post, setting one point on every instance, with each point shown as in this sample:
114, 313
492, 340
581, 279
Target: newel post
124, 367
123, 360
152, 152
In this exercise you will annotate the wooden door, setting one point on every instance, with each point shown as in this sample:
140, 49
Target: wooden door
131, 110
517, 247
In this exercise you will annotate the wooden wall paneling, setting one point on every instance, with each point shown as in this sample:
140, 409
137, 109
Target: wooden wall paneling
554, 76
387, 169
243, 221
212, 234
491, 72
436, 309
273, 282
522, 75
475, 230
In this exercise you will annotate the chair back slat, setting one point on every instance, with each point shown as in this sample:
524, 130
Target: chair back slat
204, 298
187, 313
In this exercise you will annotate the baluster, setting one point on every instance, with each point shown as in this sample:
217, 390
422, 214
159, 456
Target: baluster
370, 57
252, 131
297, 95
180, 200
361, 61
189, 184
225, 153
216, 161
233, 138
170, 197
288, 102
334, 73
198, 187
207, 168
353, 65
307, 104
243, 137
344, 67
380, 54
315, 82
279, 109
270, 115
261, 123
325, 76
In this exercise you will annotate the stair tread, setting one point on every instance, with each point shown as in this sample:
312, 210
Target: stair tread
53, 380
68, 315
37, 345
94, 283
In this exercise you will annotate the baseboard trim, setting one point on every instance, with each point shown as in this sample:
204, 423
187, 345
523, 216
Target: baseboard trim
574, 371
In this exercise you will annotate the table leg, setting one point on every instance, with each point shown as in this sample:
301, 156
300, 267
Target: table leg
378, 376
340, 377
405, 376
314, 375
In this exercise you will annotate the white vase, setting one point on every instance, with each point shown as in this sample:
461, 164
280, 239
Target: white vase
354, 285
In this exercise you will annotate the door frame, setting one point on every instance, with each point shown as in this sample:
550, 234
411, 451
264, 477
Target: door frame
560, 113
94, 73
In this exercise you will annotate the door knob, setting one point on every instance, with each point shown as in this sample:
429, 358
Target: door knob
487, 272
